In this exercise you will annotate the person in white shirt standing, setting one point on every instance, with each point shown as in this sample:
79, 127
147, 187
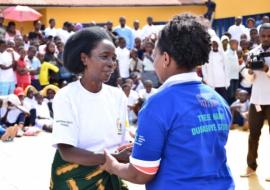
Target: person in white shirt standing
30, 103
65, 32
233, 69
137, 32
215, 72
123, 55
238, 29
259, 110
7, 75
51, 30
94, 116
149, 29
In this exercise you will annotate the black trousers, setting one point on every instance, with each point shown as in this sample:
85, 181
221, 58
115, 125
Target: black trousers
256, 121
31, 119
234, 84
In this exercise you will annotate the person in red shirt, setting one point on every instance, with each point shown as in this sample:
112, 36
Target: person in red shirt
22, 70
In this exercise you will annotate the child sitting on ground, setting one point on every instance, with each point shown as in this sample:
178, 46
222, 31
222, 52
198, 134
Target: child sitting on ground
239, 110
43, 119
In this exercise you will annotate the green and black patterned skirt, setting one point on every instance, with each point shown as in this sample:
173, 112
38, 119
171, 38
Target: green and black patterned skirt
70, 176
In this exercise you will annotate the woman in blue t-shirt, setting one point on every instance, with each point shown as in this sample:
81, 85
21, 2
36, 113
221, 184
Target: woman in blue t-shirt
183, 128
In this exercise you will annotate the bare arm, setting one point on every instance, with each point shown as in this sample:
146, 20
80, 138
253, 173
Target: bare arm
125, 171
5, 67
87, 158
80, 156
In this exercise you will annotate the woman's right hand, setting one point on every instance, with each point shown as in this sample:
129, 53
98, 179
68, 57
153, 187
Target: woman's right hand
124, 153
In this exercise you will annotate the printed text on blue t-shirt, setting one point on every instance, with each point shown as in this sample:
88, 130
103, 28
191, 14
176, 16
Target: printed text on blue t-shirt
208, 128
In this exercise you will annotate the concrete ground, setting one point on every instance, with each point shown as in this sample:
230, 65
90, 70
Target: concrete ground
25, 162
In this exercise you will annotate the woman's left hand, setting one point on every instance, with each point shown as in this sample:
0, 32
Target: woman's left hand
110, 162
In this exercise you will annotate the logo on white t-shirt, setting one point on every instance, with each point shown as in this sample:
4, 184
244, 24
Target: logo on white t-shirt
119, 127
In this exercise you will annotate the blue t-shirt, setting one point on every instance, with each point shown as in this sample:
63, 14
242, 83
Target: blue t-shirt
127, 34
183, 130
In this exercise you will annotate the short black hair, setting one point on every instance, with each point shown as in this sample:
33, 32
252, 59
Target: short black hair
67, 24
186, 40
121, 38
31, 47
51, 19
83, 41
11, 23
253, 29
35, 22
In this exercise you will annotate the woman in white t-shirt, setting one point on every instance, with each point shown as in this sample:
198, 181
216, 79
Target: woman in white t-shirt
11, 31
89, 116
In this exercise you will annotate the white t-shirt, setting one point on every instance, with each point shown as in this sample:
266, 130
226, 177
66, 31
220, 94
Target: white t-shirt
50, 32
148, 30
260, 94
123, 60
13, 114
237, 31
63, 35
137, 33
242, 107
6, 59
148, 64
138, 87
143, 94
29, 103
91, 121
42, 110
244, 72
132, 100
